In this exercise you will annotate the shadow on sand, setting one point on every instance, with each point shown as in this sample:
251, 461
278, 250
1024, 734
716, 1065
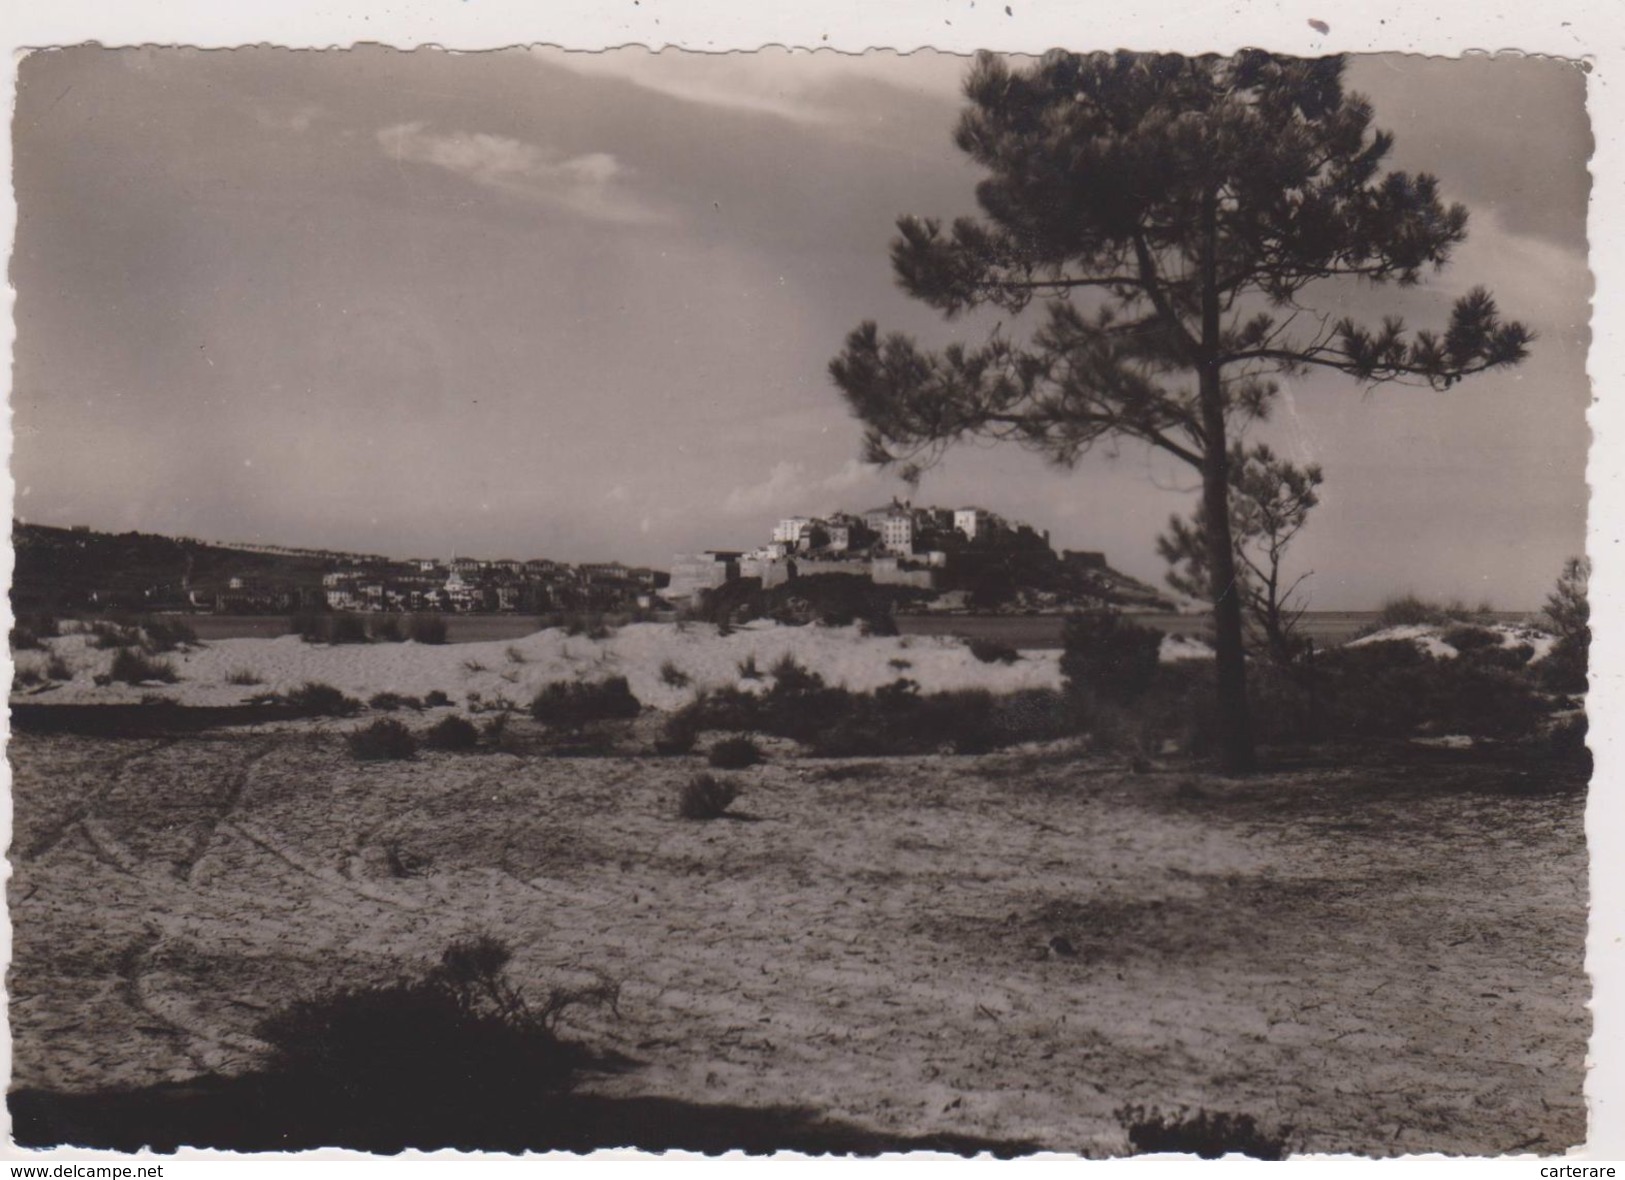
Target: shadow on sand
258, 1112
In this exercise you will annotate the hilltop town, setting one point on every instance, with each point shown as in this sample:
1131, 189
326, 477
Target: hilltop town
957, 558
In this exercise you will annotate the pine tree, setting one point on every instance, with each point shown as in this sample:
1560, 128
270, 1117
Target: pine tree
1166, 214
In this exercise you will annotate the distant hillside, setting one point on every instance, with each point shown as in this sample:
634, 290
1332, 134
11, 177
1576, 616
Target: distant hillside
72, 569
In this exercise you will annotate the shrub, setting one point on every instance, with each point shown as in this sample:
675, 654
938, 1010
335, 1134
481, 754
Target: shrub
242, 676
706, 797
592, 625
56, 668
40, 626
1109, 655
322, 700
576, 702
494, 730
25, 639
458, 1047
748, 669
430, 629
452, 733
679, 733
132, 667
388, 702
735, 753
161, 635
1209, 1136
514, 655
25, 677
435, 699
1392, 689
992, 652
671, 674
473, 666
385, 740
1568, 612
1466, 637
790, 676
109, 636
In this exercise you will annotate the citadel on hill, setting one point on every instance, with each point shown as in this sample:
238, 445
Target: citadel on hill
964, 557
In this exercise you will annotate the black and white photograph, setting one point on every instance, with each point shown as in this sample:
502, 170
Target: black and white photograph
841, 603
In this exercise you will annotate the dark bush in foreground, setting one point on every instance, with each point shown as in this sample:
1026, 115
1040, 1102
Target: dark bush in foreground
672, 675
577, 702
1393, 689
452, 733
109, 636
990, 651
706, 797
892, 720
430, 629
455, 1044
735, 753
56, 668
385, 740
1111, 656
132, 667
322, 700
1210, 1136
435, 699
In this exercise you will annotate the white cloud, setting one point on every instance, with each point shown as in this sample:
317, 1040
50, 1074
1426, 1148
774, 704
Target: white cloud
799, 85
788, 489
592, 185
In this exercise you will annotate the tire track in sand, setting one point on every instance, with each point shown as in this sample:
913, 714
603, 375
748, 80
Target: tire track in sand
85, 810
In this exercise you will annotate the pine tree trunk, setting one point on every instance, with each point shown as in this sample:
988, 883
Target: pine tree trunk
1230, 656
1235, 727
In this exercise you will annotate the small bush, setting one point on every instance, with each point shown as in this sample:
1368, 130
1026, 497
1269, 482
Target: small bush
162, 635
1408, 610
992, 652
1110, 656
25, 639
1392, 689
41, 626
748, 669
791, 677
735, 753
494, 730
899, 665
56, 668
435, 699
388, 702
671, 674
452, 733
430, 629
242, 677
706, 797
590, 625
576, 702
1208, 1136
679, 733
514, 655
109, 636
1468, 638
132, 667
322, 700
26, 677
384, 740
473, 666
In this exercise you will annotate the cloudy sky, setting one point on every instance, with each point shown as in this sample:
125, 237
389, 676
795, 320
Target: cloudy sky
534, 303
